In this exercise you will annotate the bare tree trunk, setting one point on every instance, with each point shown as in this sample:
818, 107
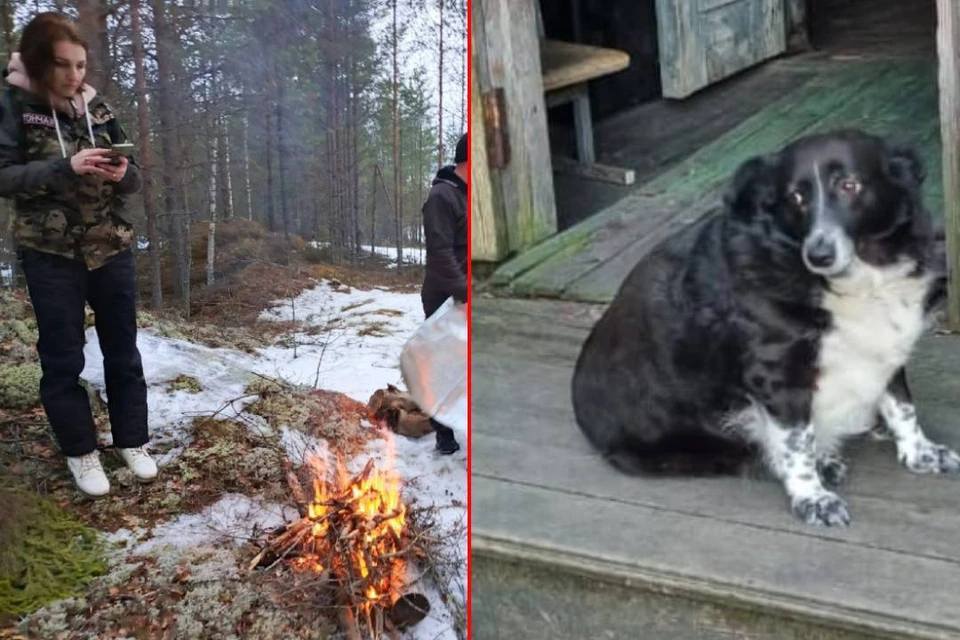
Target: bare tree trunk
332, 184
92, 22
463, 68
6, 26
173, 193
420, 191
356, 172
396, 141
271, 218
440, 85
212, 230
146, 156
282, 162
373, 207
246, 163
223, 155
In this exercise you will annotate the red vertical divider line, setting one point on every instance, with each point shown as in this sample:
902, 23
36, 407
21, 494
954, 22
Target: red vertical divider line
469, 322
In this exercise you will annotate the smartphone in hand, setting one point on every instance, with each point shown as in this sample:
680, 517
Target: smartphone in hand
120, 149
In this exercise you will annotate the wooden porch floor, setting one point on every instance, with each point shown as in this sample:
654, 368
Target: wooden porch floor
542, 497
895, 97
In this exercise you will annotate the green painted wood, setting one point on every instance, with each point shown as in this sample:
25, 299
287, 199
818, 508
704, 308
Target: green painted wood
638, 219
896, 99
825, 105
579, 236
703, 42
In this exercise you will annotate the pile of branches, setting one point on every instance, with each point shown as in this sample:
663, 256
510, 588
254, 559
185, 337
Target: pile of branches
363, 554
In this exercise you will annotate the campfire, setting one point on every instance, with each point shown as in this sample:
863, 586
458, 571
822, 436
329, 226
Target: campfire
354, 535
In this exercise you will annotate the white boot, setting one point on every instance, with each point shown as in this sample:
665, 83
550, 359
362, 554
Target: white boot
89, 475
140, 462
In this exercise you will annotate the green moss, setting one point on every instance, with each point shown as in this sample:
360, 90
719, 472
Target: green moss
45, 554
19, 386
186, 383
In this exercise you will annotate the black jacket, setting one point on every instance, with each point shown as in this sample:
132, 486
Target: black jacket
445, 227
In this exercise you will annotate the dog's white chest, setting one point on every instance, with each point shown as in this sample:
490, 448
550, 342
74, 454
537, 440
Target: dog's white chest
877, 319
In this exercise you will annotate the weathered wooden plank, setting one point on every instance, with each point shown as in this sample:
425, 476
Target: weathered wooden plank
882, 107
523, 357
879, 522
811, 578
508, 57
700, 43
601, 284
531, 346
488, 233
566, 64
534, 602
580, 234
638, 218
594, 170
850, 91
948, 48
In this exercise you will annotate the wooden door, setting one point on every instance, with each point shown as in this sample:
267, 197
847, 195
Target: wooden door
703, 41
512, 198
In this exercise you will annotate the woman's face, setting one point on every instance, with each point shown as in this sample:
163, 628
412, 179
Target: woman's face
69, 68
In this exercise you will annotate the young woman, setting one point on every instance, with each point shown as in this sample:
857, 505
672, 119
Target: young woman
73, 240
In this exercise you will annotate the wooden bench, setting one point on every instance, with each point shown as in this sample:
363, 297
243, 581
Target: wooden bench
567, 69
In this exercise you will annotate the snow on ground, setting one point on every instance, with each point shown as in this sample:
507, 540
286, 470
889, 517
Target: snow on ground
354, 364
354, 349
411, 255
234, 517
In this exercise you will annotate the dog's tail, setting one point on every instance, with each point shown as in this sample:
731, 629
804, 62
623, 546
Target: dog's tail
683, 454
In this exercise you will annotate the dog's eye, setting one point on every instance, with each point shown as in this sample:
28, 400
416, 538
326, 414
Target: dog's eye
850, 186
796, 198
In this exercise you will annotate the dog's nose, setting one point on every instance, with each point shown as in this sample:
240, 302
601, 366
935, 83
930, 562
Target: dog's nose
820, 252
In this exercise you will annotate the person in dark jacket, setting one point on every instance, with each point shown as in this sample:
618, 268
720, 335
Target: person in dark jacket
445, 229
73, 239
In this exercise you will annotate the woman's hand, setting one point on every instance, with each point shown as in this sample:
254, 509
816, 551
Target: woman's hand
96, 162
117, 171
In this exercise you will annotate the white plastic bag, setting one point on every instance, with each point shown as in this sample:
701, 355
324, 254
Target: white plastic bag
434, 366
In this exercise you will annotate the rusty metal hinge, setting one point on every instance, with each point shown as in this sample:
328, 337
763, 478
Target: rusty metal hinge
495, 128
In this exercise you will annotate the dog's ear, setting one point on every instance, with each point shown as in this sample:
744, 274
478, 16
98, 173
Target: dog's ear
754, 185
904, 165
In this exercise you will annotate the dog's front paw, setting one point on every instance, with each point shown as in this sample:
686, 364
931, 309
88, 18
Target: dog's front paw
928, 457
832, 470
823, 508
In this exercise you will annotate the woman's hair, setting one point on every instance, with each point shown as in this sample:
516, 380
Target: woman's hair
38, 40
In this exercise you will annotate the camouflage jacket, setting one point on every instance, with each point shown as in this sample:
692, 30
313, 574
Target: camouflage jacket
59, 212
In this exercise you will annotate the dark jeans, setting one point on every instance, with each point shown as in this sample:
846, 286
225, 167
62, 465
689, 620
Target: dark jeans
58, 288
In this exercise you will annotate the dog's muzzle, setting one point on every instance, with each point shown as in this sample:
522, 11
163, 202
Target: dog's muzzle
827, 252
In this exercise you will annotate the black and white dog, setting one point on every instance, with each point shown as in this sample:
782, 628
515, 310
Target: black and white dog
781, 324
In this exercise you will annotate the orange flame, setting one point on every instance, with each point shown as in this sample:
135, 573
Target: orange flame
378, 516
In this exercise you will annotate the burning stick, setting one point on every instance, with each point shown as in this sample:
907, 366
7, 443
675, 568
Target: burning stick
353, 532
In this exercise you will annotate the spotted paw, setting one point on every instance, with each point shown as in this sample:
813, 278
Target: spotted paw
927, 457
832, 470
823, 508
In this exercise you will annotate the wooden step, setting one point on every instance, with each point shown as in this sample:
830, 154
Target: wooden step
542, 496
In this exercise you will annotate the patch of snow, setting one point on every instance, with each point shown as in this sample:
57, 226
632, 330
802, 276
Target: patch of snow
235, 517
222, 374
349, 362
6, 274
411, 255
